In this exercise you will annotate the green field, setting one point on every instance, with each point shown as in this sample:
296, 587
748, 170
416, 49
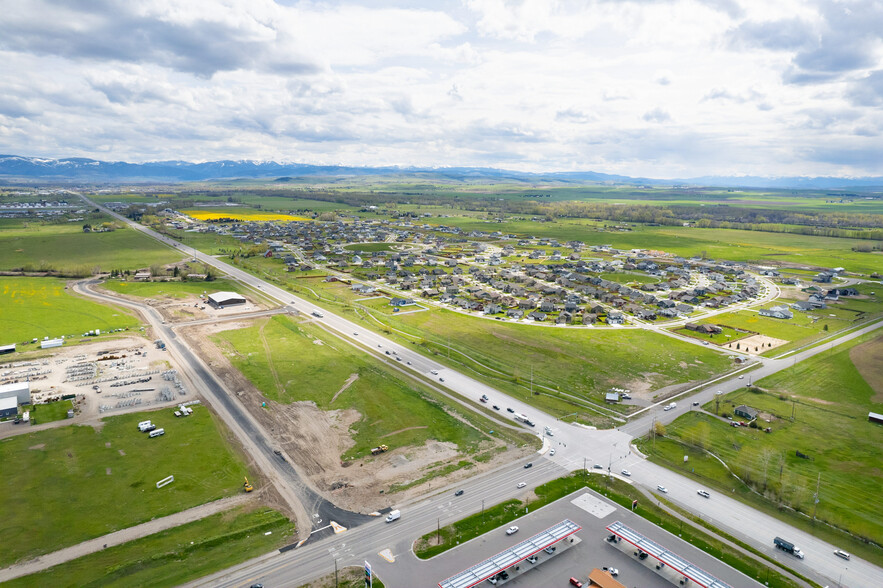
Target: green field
175, 556
804, 328
42, 307
67, 249
388, 404
170, 289
74, 483
829, 399
628, 278
370, 247
53, 411
581, 362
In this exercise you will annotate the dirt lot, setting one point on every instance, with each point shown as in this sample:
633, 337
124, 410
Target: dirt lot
761, 342
317, 440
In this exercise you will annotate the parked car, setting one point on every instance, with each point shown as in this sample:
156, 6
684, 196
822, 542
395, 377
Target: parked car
532, 559
612, 571
528, 465
521, 485
662, 489
695, 404
703, 494
458, 493
575, 582
551, 452
598, 466
550, 549
512, 530
626, 473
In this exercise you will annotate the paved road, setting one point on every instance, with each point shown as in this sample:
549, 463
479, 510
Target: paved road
574, 445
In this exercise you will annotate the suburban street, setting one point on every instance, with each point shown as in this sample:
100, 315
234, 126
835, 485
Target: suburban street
575, 447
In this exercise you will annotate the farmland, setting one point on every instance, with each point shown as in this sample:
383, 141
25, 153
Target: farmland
175, 556
261, 352
66, 249
828, 392
169, 289
241, 214
85, 483
42, 307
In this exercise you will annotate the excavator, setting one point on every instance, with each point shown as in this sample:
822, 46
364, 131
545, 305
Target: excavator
247, 486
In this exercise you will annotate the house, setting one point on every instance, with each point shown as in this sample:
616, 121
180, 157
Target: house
537, 316
492, 308
745, 412
590, 318
401, 302
615, 317
780, 312
515, 314
802, 306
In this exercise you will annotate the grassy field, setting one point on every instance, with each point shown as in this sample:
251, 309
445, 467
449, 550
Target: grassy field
391, 408
827, 393
804, 328
42, 307
53, 411
175, 556
170, 289
370, 247
628, 278
66, 248
74, 483
582, 362
209, 243
451, 535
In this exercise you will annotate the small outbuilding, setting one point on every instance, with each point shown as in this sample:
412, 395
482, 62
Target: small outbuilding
225, 299
611, 397
745, 412
7, 349
8, 407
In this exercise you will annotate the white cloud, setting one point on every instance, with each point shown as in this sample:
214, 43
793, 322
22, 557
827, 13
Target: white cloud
656, 88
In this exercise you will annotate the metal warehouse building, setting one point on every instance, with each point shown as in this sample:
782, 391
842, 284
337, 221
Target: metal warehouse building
21, 391
225, 299
8, 407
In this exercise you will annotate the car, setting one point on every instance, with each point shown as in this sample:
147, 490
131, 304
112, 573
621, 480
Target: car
532, 559
598, 466
379, 345
277, 452
551, 452
575, 582
642, 555
496, 407
666, 407
510, 409
504, 575
398, 359
409, 363
441, 379
705, 342
458, 493
492, 580
662, 489
703, 493
528, 465
521, 485
433, 372
484, 397
512, 530
741, 377
626, 473
612, 571
550, 550
387, 352
841, 553
256, 586
355, 334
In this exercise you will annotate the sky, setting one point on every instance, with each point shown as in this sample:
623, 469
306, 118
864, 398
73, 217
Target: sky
663, 89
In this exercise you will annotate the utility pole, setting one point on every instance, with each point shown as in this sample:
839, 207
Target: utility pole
335, 573
531, 379
815, 501
438, 530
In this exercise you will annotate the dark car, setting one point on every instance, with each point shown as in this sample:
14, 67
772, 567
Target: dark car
528, 465
510, 410
496, 407
458, 493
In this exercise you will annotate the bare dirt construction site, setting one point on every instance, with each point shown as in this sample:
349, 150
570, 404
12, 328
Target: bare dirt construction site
317, 441
757, 344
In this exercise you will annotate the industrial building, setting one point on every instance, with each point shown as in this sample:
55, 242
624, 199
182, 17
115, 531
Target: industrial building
225, 299
21, 391
8, 407
7, 349
50, 343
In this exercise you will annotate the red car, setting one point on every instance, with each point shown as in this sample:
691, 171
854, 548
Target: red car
575, 582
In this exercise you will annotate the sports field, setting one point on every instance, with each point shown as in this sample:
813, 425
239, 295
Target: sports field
74, 483
42, 307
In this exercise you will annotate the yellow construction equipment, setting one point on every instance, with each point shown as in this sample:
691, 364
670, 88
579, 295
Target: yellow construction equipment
247, 487
379, 449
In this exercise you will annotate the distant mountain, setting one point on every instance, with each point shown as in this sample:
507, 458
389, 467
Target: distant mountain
76, 169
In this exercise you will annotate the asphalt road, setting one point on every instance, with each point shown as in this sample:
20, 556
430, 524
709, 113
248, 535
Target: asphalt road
574, 445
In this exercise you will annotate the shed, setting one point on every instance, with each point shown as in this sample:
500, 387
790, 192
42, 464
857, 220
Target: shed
225, 299
8, 407
875, 418
7, 349
49, 343
745, 412
611, 397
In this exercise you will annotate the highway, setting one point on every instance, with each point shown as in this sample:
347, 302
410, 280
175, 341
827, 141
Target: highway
574, 446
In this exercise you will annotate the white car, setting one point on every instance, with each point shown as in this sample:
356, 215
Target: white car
551, 452
626, 473
741, 377
512, 530
521, 485
662, 489
703, 493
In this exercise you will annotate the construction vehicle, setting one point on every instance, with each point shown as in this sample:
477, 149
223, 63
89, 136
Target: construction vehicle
379, 449
247, 486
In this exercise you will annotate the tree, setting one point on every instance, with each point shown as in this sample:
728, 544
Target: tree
659, 429
825, 328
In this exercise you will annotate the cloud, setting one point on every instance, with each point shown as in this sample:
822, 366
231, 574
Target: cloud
867, 91
573, 115
657, 115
